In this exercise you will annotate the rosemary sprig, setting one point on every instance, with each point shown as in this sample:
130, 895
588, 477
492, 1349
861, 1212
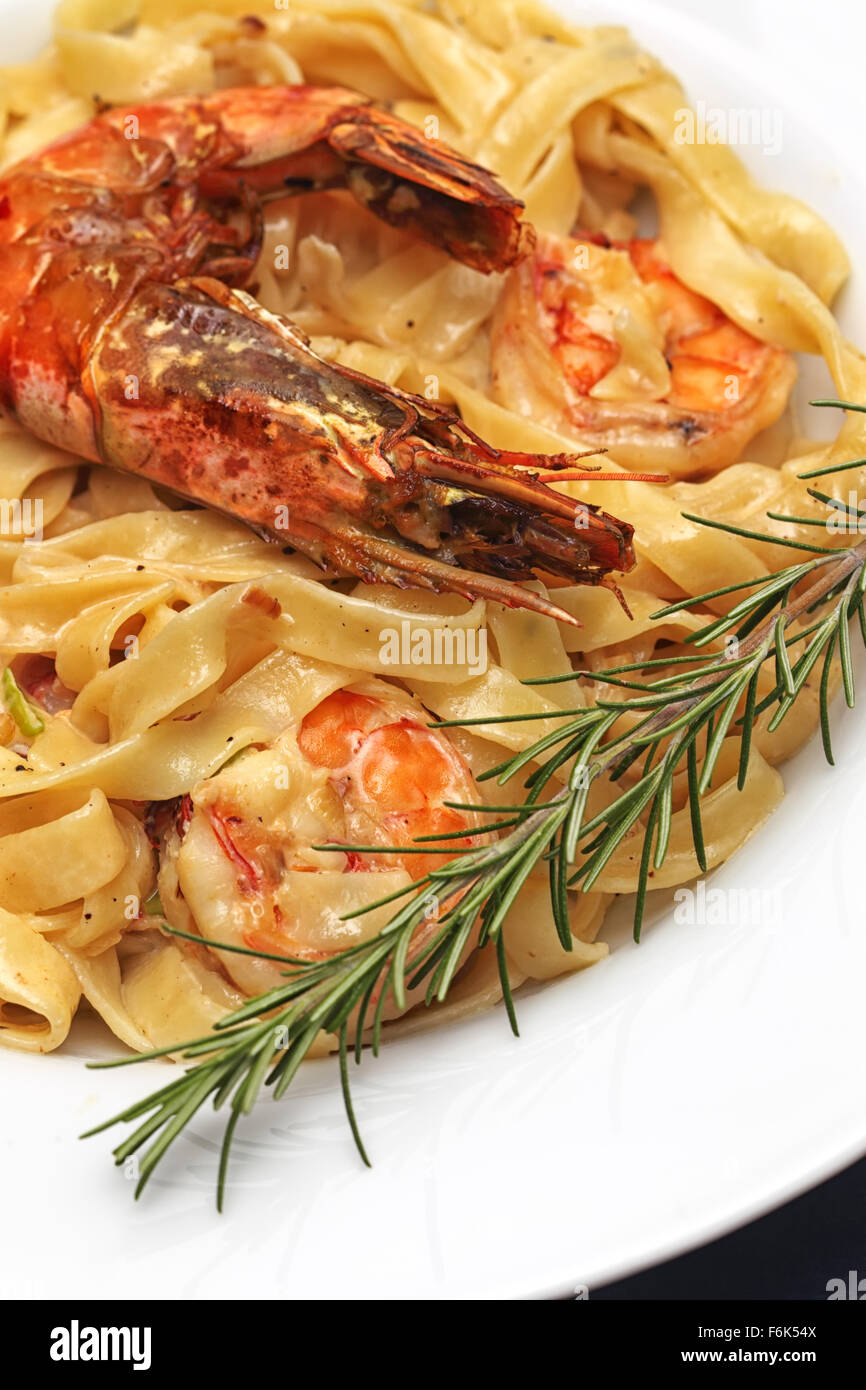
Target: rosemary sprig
680, 716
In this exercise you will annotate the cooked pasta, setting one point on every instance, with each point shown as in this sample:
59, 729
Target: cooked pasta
152, 642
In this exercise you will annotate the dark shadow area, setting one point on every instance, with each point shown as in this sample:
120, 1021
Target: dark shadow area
789, 1254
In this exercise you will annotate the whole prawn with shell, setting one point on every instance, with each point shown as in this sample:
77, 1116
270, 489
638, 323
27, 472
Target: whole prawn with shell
126, 338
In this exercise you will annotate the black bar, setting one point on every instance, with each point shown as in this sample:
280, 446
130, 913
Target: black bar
58, 1340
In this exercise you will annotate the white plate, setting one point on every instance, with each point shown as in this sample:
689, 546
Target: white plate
658, 1100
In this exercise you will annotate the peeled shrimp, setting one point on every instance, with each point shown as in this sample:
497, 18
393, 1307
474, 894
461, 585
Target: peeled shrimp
239, 863
602, 342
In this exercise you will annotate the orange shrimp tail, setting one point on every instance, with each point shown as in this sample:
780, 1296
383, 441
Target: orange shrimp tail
408, 180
